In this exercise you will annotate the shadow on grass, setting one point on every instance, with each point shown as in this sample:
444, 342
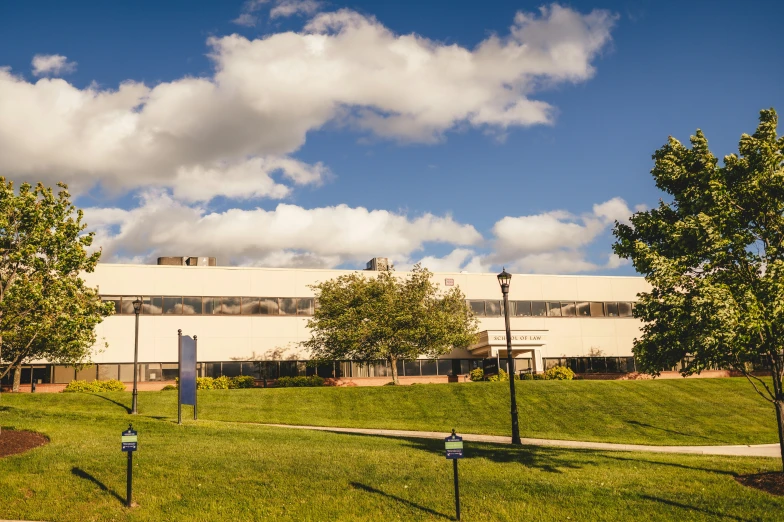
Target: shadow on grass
123, 406
674, 432
86, 476
692, 508
674, 465
370, 489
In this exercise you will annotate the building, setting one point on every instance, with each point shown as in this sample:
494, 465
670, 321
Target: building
251, 321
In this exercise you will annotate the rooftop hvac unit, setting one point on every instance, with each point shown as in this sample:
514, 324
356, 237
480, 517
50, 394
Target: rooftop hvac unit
378, 264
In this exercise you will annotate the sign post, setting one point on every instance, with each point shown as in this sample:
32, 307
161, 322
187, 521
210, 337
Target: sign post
186, 391
454, 451
129, 444
490, 367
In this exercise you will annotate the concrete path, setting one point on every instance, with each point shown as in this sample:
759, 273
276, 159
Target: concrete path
759, 450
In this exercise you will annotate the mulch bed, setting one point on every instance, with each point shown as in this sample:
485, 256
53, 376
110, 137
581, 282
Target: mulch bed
772, 483
19, 441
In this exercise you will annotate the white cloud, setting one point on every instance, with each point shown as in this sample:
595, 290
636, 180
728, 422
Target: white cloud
267, 94
289, 235
246, 17
459, 259
294, 7
52, 64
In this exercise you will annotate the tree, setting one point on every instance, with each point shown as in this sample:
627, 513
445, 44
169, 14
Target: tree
46, 311
387, 317
714, 256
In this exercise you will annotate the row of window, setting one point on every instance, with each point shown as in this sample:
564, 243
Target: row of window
195, 305
495, 308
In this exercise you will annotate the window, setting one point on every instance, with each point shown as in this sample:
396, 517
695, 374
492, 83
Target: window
305, 306
63, 374
268, 306
445, 367
107, 371
231, 369
251, 368
288, 306
612, 309
624, 309
211, 305
115, 301
429, 367
126, 307
554, 309
230, 306
584, 309
478, 307
126, 372
493, 308
538, 308
169, 372
522, 308
86, 374
152, 305
250, 306
568, 309
412, 367
597, 309
191, 306
172, 305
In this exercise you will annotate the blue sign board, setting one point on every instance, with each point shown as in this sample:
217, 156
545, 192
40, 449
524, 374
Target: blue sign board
187, 370
454, 447
130, 440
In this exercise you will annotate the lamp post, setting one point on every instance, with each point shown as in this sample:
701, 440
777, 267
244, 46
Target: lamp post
503, 279
137, 307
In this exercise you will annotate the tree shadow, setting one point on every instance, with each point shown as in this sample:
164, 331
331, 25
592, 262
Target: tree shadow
123, 406
369, 489
693, 508
86, 476
674, 432
675, 465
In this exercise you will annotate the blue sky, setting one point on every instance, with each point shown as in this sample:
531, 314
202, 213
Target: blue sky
257, 168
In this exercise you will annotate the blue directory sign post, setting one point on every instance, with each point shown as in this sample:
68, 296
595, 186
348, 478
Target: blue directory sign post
186, 393
454, 451
129, 443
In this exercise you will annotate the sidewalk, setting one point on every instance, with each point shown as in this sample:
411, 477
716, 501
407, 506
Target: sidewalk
759, 450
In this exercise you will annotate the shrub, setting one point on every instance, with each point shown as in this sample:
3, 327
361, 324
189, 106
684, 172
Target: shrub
502, 377
95, 386
559, 373
169, 387
299, 382
243, 381
477, 374
533, 377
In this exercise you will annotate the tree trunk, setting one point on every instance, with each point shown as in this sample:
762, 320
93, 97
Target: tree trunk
779, 404
393, 362
17, 378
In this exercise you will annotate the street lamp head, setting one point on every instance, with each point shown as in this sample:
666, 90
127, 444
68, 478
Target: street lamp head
137, 306
504, 278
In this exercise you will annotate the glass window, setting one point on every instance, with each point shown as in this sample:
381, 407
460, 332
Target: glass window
612, 309
445, 367
86, 374
191, 306
325, 370
172, 305
150, 372
465, 366
599, 364
568, 310
212, 370
251, 368
211, 305
169, 372
107, 371
250, 306
554, 309
115, 301
429, 367
230, 306
478, 307
126, 372
152, 305
231, 369
288, 306
624, 309
126, 307
538, 308
63, 374
400, 370
584, 309
522, 308
412, 368
305, 306
493, 308
597, 309
268, 306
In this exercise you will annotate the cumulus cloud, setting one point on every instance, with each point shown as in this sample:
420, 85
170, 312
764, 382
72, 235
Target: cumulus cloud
294, 7
247, 18
458, 260
52, 64
289, 235
266, 94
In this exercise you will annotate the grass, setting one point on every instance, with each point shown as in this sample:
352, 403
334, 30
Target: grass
211, 470
659, 412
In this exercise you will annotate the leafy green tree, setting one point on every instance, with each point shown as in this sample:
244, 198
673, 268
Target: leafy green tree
365, 318
714, 256
46, 310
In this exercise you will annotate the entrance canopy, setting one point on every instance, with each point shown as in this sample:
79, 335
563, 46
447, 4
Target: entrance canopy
492, 343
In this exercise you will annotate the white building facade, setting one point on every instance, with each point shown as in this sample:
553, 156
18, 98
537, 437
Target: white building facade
252, 321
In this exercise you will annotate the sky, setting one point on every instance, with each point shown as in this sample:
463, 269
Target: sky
302, 133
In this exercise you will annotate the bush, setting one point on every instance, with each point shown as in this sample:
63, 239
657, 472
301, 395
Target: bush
299, 382
169, 387
243, 381
559, 373
502, 377
95, 386
477, 374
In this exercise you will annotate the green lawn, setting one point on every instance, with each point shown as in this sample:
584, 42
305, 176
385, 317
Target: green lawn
213, 470
666, 412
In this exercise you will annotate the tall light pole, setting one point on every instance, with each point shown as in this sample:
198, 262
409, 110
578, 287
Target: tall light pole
503, 279
137, 307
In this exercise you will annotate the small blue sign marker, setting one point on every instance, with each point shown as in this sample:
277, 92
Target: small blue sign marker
130, 440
